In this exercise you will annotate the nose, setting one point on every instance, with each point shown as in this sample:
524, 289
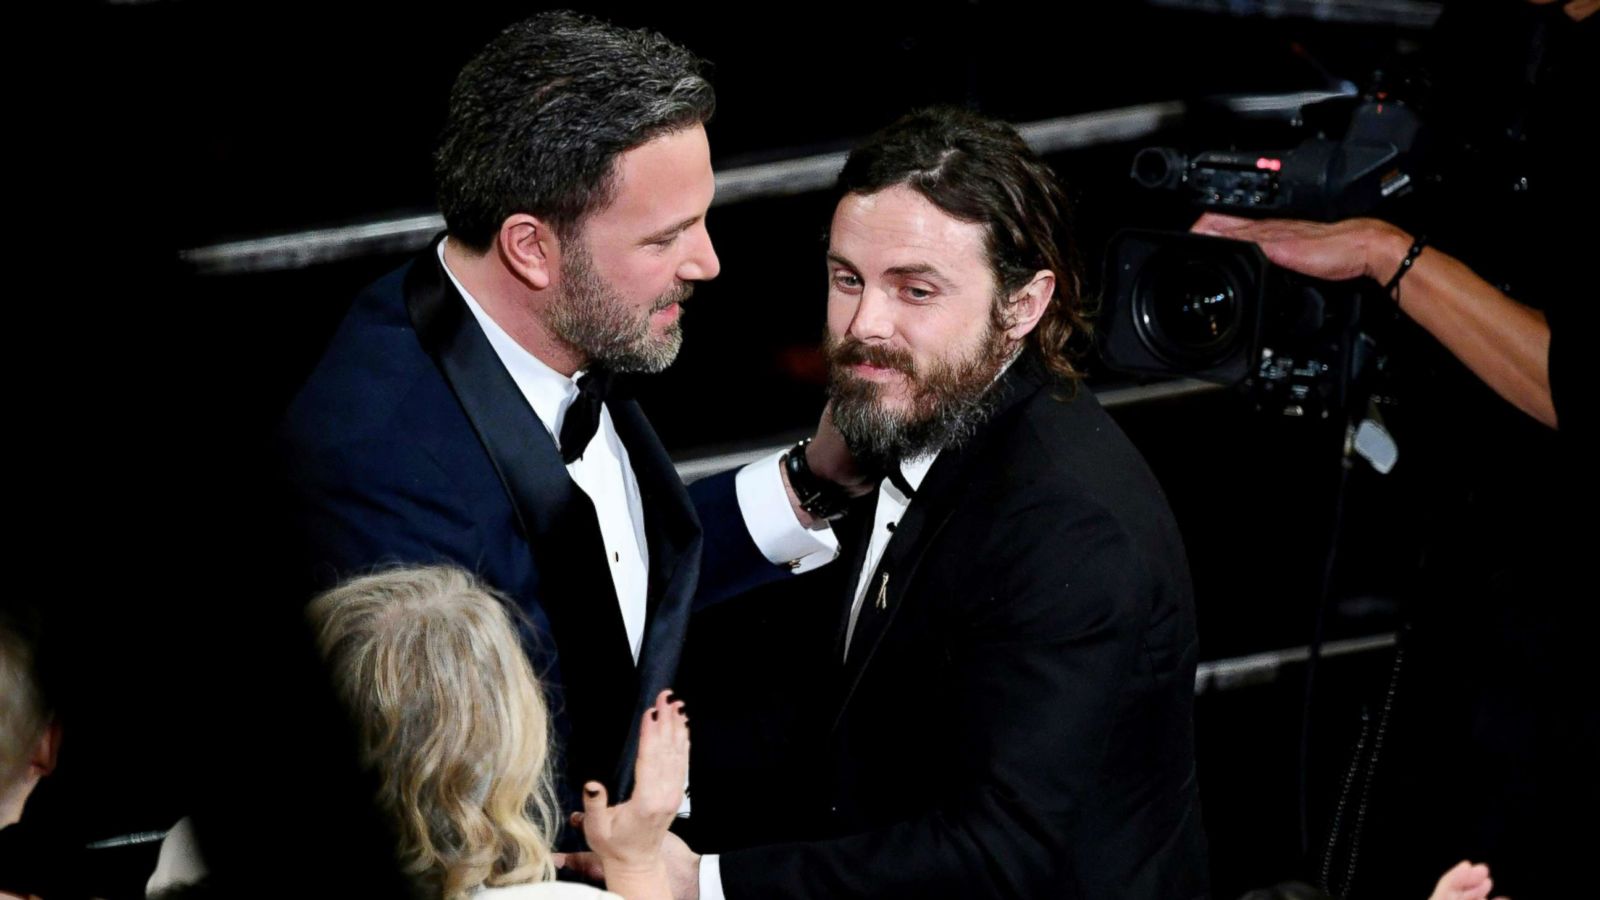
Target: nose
701, 263
872, 320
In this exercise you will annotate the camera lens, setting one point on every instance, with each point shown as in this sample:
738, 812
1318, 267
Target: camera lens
1188, 309
1159, 167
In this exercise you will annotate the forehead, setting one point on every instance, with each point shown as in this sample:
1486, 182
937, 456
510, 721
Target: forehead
660, 183
898, 227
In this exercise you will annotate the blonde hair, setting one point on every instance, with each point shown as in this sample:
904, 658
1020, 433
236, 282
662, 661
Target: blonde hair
451, 720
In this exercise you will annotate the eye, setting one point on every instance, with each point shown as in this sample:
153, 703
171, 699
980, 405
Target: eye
846, 281
917, 294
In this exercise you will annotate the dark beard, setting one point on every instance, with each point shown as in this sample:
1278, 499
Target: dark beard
592, 319
948, 402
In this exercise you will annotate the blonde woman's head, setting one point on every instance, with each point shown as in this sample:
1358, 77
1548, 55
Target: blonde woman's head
451, 720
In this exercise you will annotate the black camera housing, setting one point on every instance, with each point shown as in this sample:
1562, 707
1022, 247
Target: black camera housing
1218, 310
1182, 304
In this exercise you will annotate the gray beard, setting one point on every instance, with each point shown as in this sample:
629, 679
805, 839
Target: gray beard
593, 320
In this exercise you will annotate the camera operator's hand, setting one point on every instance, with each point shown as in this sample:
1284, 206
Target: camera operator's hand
1502, 341
1334, 251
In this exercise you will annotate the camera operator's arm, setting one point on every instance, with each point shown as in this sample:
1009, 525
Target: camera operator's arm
1502, 341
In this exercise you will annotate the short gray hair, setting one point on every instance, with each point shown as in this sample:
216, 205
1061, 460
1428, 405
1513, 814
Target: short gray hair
538, 118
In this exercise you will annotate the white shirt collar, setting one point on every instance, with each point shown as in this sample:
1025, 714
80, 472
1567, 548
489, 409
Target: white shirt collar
915, 470
549, 392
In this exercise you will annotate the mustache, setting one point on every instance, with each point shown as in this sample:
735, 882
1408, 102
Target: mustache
849, 352
682, 292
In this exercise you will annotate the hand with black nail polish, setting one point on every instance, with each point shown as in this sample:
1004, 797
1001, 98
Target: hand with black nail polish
627, 838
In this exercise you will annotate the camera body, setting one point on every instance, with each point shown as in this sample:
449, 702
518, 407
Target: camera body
1183, 304
1218, 310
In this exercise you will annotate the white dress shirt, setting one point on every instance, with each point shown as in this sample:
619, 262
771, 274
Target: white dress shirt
891, 506
605, 474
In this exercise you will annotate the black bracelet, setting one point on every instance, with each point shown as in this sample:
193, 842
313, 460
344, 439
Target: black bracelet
819, 498
1405, 264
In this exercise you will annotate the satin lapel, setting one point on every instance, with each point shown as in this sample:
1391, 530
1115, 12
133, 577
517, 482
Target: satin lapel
886, 593
556, 517
672, 529
918, 529
854, 532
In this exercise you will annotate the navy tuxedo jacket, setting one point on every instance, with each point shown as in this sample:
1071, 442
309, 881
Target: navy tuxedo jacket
411, 443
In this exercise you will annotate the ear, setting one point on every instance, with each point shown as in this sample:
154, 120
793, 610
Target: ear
46, 750
529, 248
1027, 304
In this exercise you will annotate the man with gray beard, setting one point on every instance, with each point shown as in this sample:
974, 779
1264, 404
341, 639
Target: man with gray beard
1007, 709
465, 412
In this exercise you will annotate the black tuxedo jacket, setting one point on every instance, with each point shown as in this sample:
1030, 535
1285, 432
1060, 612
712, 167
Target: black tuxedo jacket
1016, 719
411, 443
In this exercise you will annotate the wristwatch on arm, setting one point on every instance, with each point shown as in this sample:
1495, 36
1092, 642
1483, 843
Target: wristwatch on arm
820, 498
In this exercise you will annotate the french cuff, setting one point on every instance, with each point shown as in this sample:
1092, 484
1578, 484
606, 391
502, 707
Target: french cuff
711, 877
776, 530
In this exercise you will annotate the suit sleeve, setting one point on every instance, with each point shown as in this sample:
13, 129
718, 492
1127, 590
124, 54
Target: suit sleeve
357, 508
1040, 664
730, 561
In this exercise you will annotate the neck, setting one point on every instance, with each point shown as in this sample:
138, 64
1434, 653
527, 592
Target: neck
14, 796
521, 311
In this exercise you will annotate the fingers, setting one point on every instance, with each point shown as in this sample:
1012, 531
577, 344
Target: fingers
669, 723
678, 730
1260, 230
664, 704
594, 801
1454, 878
655, 728
1218, 224
1464, 881
1578, 10
663, 760
585, 864
660, 719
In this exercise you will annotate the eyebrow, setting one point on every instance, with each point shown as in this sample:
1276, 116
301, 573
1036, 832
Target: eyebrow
670, 230
925, 270
921, 270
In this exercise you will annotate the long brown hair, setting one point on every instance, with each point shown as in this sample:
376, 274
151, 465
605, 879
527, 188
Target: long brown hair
980, 170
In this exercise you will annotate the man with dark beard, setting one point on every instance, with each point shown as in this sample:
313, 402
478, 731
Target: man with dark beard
463, 412
1007, 709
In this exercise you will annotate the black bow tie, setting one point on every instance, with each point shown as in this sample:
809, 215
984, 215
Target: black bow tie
583, 416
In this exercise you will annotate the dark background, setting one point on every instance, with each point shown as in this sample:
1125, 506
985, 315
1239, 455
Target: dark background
178, 125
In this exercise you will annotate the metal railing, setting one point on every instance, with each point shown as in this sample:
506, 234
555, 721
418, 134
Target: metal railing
785, 178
